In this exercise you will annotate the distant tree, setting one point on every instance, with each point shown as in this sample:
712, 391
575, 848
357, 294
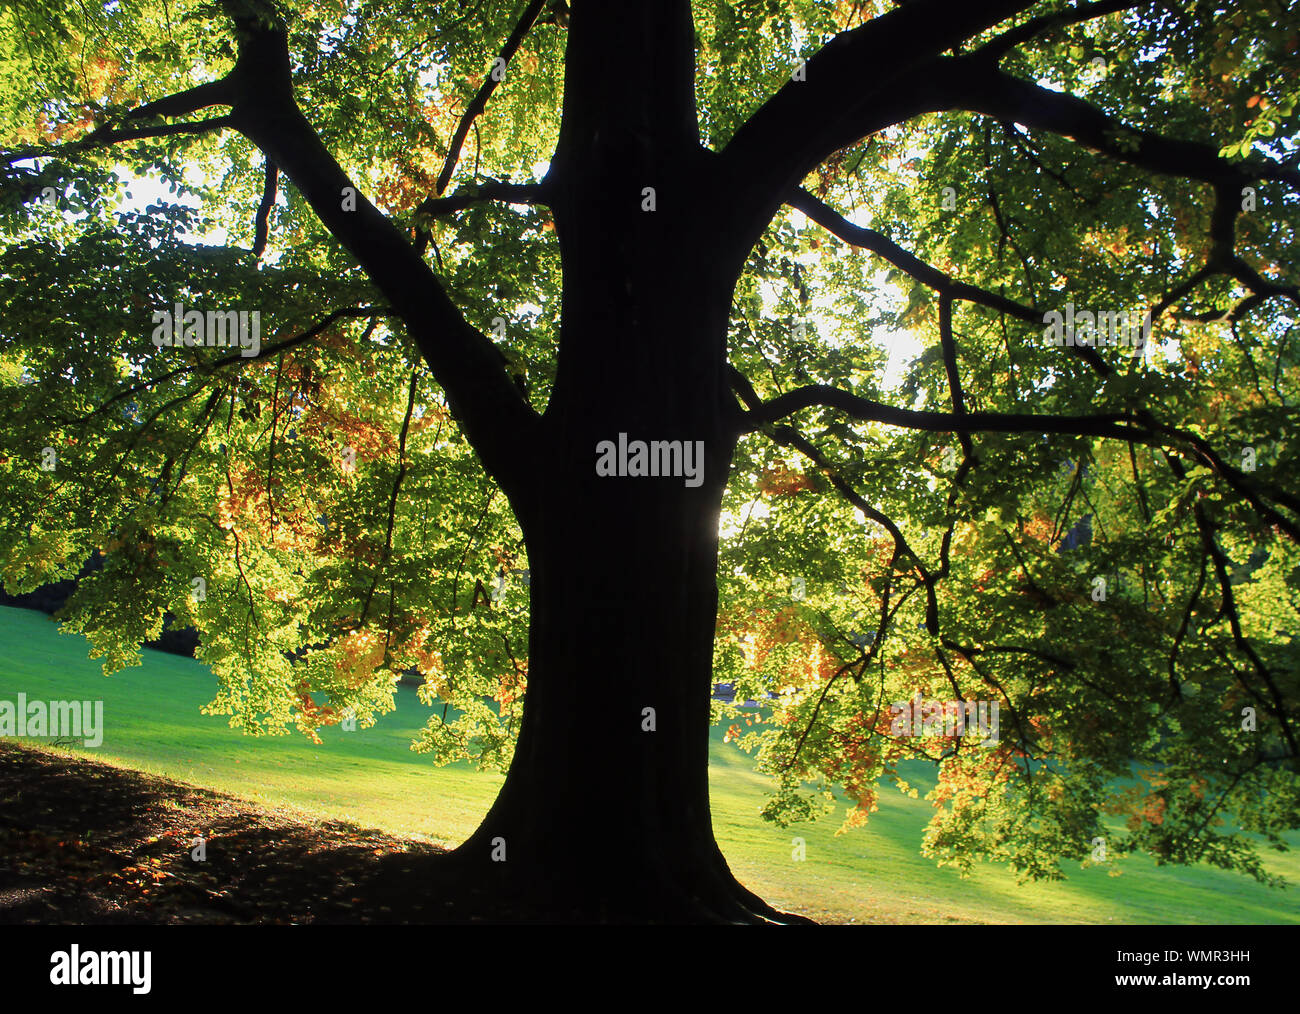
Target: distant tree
483, 241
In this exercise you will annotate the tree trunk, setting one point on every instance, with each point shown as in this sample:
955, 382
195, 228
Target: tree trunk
605, 812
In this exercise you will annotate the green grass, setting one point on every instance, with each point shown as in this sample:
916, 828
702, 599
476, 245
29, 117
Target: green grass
371, 777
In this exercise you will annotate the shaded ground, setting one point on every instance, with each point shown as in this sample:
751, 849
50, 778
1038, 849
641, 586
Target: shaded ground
86, 843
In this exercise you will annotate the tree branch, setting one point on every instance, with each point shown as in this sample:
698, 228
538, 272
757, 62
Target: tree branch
984, 89
392, 500
496, 419
865, 410
265, 352
1207, 530
262, 221
1140, 428
103, 137
947, 287
479, 102
870, 75
949, 348
212, 93
1044, 23
510, 193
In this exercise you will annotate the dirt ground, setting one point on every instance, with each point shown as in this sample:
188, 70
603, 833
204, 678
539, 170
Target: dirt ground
82, 842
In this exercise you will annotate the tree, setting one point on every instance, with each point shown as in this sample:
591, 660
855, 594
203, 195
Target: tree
1088, 209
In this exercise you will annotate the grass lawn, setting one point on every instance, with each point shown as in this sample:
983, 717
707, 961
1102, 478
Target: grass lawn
371, 777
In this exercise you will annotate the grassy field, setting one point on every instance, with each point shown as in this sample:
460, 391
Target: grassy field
371, 777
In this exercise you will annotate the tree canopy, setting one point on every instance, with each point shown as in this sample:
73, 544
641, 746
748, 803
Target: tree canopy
929, 495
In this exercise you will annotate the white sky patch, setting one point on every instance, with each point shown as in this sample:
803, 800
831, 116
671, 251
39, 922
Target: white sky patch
731, 524
903, 345
142, 191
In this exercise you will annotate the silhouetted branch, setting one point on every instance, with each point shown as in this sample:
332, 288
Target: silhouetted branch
1034, 27
930, 276
479, 102
263, 219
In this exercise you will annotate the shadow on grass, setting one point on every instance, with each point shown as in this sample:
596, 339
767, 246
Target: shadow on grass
87, 843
